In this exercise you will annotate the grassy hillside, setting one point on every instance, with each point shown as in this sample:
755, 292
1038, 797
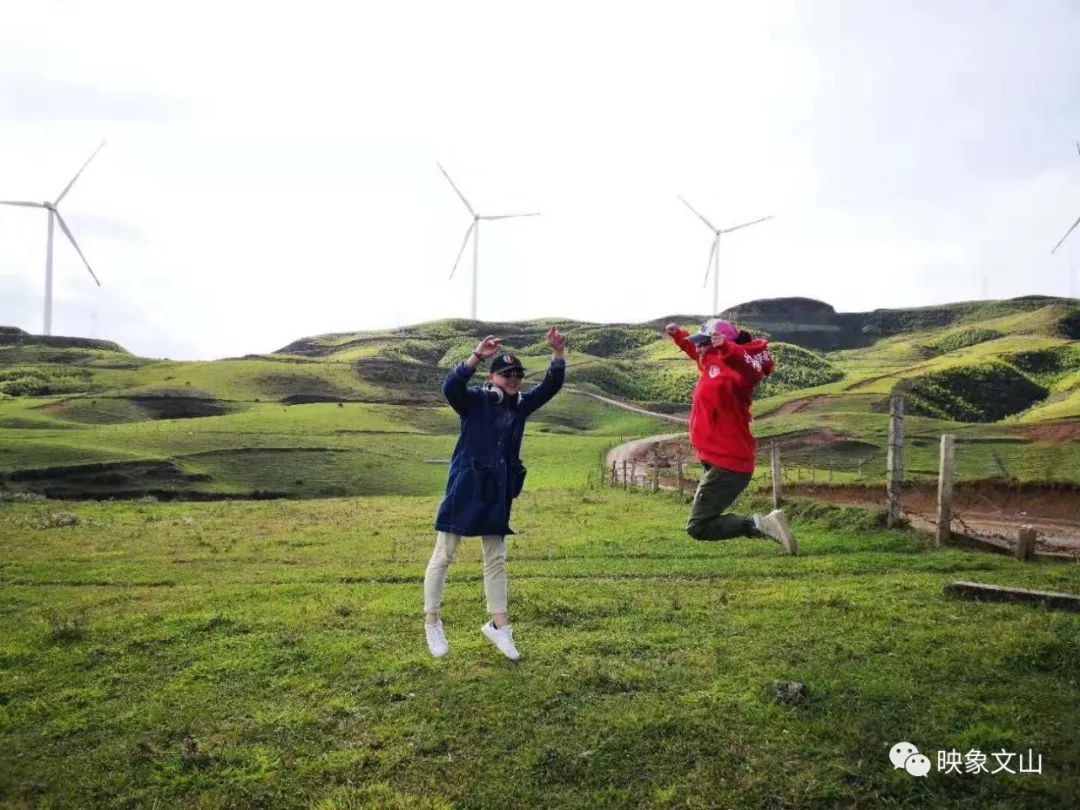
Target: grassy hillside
1016, 367
362, 413
817, 325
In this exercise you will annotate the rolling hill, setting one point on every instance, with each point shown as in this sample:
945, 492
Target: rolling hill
361, 413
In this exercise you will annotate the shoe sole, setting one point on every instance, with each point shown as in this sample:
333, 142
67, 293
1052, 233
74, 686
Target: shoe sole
484, 630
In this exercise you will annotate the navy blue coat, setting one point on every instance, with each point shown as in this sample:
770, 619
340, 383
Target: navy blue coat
486, 472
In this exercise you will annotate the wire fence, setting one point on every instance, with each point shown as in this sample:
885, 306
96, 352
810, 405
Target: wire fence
989, 494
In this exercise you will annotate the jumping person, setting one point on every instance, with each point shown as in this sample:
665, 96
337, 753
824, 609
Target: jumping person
486, 474
732, 362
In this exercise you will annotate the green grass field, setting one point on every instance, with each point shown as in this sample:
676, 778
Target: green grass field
311, 450
241, 654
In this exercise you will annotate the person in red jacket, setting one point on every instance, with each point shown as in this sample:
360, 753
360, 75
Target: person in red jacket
732, 362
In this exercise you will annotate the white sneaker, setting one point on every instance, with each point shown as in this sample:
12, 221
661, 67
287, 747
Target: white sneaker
503, 638
775, 526
436, 639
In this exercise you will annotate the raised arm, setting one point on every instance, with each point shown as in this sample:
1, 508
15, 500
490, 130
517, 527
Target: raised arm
682, 340
538, 396
455, 386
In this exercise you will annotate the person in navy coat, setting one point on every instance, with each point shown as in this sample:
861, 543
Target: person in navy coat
486, 474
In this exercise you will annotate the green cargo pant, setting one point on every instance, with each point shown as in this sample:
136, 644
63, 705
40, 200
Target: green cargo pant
716, 491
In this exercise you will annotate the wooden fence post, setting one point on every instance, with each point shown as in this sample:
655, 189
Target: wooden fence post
633, 474
1025, 544
777, 475
895, 460
678, 473
625, 480
614, 475
945, 490
655, 473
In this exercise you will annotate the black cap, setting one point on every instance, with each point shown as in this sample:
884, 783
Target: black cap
504, 361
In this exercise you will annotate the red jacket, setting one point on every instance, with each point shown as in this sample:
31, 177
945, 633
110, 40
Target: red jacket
720, 418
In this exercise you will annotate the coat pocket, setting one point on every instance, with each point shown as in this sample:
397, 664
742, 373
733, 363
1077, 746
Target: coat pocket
517, 478
483, 479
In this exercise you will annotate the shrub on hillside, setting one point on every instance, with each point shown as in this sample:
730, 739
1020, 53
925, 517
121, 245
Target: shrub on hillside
440, 330
796, 368
955, 341
884, 322
1047, 365
894, 321
976, 393
673, 381
23, 382
620, 380
1069, 325
421, 351
519, 333
606, 341
459, 352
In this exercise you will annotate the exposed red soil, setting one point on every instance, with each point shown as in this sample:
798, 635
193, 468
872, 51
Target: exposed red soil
1064, 431
794, 406
982, 508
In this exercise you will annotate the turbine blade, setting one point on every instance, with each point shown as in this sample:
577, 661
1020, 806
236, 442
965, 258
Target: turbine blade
464, 242
708, 267
451, 182
746, 224
80, 171
74, 244
712, 227
511, 216
1066, 236
1078, 147
23, 203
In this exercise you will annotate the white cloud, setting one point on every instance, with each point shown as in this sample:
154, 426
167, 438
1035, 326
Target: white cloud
271, 171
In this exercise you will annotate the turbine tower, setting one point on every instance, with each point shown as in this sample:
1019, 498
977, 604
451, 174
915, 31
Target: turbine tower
713, 265
474, 232
1071, 229
55, 218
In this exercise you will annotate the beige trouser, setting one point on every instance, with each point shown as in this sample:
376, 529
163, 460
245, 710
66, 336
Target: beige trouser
446, 544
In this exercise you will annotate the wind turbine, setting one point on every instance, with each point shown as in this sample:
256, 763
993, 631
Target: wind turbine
1073, 228
713, 265
54, 217
474, 232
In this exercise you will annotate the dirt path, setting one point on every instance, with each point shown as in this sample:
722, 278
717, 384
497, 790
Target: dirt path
790, 407
626, 406
993, 513
633, 452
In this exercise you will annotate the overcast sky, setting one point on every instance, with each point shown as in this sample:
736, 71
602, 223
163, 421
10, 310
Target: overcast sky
270, 167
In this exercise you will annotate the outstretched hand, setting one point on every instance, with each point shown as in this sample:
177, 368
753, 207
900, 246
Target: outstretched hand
556, 340
489, 347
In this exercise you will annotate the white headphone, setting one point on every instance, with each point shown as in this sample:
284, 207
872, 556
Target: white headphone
497, 394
